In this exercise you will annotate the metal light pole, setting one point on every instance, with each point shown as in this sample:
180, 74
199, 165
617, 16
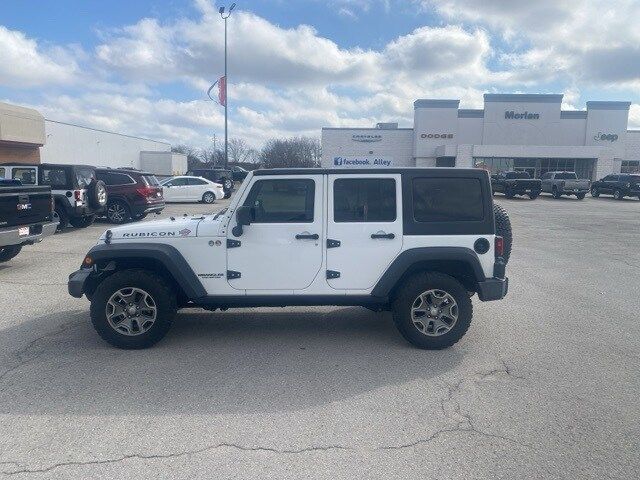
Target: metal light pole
226, 82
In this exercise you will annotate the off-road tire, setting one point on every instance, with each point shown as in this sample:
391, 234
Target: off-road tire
580, 196
160, 290
208, 198
556, 193
82, 222
63, 219
617, 194
503, 229
227, 186
407, 294
594, 192
8, 252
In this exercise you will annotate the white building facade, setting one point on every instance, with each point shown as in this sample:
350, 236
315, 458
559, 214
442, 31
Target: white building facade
527, 132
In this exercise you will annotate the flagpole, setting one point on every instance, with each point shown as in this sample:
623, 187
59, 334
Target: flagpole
226, 98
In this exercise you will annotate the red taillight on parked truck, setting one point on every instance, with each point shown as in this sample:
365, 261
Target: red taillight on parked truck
77, 194
499, 245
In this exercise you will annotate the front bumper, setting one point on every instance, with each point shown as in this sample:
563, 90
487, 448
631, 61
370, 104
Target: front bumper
493, 289
77, 281
11, 236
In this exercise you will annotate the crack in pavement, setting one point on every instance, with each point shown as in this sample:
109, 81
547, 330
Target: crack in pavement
450, 408
21, 356
142, 456
32, 284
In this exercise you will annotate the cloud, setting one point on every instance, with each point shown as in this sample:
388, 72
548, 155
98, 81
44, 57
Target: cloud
24, 63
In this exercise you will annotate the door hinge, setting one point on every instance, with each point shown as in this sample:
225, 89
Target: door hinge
231, 274
233, 243
332, 274
332, 243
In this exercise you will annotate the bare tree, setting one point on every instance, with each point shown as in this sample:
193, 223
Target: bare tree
193, 156
291, 152
240, 152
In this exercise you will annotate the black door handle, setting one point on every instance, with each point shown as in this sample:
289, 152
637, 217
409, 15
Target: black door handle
389, 236
307, 236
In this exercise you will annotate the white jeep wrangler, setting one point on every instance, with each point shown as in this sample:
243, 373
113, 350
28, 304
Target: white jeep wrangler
418, 242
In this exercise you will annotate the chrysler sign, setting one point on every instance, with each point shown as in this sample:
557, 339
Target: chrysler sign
362, 162
366, 138
511, 115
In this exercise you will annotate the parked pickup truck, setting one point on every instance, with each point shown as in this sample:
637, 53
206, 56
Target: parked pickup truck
565, 183
515, 183
26, 216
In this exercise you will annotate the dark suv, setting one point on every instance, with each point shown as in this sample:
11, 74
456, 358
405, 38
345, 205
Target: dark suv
619, 185
217, 175
132, 194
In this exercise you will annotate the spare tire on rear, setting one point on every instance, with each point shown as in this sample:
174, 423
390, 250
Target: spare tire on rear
503, 229
97, 194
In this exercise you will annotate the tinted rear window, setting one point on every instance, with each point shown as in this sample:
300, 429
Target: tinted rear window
447, 200
364, 200
566, 176
84, 176
55, 177
512, 175
150, 180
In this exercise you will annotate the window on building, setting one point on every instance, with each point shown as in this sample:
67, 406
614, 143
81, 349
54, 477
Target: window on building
630, 166
364, 200
55, 177
446, 162
26, 175
282, 201
447, 199
2, 172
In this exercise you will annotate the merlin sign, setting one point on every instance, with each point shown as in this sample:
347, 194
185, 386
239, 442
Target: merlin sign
511, 115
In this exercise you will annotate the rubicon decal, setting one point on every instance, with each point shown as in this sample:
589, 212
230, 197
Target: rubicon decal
149, 234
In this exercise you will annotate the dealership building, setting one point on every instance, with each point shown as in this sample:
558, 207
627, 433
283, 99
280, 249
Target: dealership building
526, 132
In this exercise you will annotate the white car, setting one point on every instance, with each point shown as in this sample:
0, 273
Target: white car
191, 189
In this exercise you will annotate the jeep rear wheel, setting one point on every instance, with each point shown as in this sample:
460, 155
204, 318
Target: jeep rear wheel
432, 310
133, 309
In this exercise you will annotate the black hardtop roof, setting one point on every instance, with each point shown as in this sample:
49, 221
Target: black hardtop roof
435, 171
57, 165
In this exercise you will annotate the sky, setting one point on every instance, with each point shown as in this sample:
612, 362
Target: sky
143, 67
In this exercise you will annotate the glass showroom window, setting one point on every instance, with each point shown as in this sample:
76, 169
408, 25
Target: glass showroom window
630, 166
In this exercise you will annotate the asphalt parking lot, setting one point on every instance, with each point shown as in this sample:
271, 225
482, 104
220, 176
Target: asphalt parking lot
544, 385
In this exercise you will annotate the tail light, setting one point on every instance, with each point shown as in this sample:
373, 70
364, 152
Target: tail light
77, 194
147, 192
499, 246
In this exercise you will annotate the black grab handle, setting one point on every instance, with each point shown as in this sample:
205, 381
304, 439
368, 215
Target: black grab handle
310, 236
389, 236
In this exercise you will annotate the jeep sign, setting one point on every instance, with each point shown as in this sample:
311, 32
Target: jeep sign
606, 137
362, 162
511, 115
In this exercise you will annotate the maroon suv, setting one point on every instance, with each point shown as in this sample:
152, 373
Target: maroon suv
132, 194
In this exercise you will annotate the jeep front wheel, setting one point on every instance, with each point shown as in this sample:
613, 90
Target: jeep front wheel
133, 309
432, 310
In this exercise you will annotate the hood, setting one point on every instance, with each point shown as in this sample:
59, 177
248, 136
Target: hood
166, 228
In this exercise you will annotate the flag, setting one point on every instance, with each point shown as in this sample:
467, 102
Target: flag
222, 91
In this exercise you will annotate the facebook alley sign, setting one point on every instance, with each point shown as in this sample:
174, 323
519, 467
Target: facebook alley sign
362, 162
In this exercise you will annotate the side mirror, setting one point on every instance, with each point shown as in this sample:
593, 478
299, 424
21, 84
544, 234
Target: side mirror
244, 216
